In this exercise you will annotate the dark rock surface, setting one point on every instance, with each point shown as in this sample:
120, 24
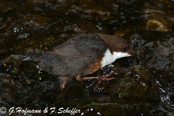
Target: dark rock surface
143, 85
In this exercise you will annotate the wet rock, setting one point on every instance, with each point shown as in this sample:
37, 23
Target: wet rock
163, 4
8, 89
158, 19
39, 25
36, 20
4, 75
157, 22
106, 108
157, 53
6, 7
136, 82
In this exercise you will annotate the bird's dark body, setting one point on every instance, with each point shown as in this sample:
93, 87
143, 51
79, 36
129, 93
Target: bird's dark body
82, 55
63, 65
85, 50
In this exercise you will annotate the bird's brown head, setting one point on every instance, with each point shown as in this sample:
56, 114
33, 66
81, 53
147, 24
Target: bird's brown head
117, 44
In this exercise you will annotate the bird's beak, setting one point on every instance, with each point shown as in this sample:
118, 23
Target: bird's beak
135, 54
132, 52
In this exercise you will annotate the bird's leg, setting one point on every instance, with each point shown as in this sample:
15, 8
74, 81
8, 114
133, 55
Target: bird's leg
62, 86
63, 80
79, 78
104, 77
96, 86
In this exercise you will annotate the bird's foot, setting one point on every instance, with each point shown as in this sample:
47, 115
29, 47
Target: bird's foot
106, 77
103, 78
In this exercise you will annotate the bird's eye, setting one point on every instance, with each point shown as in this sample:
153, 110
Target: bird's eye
125, 48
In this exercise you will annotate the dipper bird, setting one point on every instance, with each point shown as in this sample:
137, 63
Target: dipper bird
82, 55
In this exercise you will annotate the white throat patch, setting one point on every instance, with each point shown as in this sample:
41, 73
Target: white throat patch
110, 58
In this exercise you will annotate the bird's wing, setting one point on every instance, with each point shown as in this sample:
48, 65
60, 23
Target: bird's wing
81, 46
66, 49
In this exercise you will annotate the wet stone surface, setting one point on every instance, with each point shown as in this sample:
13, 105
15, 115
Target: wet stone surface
157, 55
142, 84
